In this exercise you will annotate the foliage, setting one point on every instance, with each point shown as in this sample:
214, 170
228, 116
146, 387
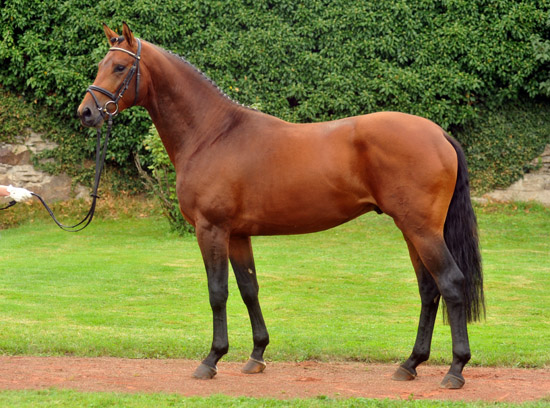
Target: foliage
501, 144
453, 61
15, 117
163, 182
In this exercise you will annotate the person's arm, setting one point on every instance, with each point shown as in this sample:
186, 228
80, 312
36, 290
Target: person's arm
18, 194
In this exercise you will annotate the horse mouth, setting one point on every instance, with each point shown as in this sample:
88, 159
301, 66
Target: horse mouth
97, 123
89, 118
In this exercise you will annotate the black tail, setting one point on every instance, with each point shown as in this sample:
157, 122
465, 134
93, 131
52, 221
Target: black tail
462, 240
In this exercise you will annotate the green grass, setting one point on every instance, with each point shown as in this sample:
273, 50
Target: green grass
58, 398
130, 288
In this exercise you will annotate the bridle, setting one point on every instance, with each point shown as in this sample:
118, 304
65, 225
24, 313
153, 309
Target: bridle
119, 93
101, 151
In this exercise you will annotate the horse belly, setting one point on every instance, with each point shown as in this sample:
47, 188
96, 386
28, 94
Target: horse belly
297, 223
309, 206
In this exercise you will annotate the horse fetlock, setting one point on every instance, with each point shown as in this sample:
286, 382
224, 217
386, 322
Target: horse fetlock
261, 341
219, 349
419, 356
461, 355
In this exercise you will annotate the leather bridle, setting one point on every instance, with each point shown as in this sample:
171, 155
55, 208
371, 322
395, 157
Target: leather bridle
119, 93
101, 151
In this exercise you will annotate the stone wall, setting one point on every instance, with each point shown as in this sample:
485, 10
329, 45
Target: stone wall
534, 186
16, 169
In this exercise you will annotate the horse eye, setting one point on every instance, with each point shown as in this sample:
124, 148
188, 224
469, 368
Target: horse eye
120, 68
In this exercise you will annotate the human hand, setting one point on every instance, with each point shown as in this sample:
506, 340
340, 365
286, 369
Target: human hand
19, 194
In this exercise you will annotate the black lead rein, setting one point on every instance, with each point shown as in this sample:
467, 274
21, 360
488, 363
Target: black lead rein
10, 204
100, 161
101, 152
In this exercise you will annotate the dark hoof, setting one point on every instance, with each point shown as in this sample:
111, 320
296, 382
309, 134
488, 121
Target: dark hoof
402, 374
452, 382
204, 372
254, 366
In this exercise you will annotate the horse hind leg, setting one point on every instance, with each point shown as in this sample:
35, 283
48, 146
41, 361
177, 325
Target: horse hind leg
242, 261
429, 295
435, 255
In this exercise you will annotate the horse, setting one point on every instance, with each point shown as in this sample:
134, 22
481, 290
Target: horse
243, 173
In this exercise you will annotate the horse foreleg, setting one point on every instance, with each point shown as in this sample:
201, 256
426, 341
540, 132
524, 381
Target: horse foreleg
213, 243
242, 261
429, 295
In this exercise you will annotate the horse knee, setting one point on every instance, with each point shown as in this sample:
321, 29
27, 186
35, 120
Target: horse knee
249, 294
218, 298
220, 347
248, 287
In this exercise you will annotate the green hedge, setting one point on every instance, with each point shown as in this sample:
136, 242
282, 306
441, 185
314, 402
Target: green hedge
314, 60
501, 145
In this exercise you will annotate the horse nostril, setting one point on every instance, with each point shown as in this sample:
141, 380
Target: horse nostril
86, 113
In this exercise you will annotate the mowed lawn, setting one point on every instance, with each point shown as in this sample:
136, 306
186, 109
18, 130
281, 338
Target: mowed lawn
131, 288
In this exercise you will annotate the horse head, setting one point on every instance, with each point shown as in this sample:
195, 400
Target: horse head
117, 83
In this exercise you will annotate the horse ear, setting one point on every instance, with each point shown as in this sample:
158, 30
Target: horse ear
127, 33
111, 35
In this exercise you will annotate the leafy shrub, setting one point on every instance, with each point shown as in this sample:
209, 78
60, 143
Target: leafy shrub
500, 146
163, 181
453, 61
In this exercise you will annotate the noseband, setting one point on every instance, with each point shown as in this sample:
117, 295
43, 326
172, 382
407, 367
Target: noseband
119, 93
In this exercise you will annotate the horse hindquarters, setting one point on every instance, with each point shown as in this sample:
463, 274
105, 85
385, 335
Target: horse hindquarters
452, 259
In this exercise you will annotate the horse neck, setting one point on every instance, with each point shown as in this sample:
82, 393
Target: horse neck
185, 106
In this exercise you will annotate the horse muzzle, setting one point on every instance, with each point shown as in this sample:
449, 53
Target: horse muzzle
89, 115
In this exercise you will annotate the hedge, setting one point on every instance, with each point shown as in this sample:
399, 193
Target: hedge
448, 60
501, 145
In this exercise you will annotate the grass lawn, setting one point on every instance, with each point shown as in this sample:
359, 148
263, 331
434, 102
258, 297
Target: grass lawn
130, 288
61, 398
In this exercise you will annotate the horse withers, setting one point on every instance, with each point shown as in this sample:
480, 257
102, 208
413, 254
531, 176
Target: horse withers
242, 173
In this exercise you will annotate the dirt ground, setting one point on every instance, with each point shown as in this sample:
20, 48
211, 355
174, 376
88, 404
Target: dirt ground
280, 380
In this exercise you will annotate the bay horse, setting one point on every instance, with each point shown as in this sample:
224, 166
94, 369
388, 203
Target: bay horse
242, 173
